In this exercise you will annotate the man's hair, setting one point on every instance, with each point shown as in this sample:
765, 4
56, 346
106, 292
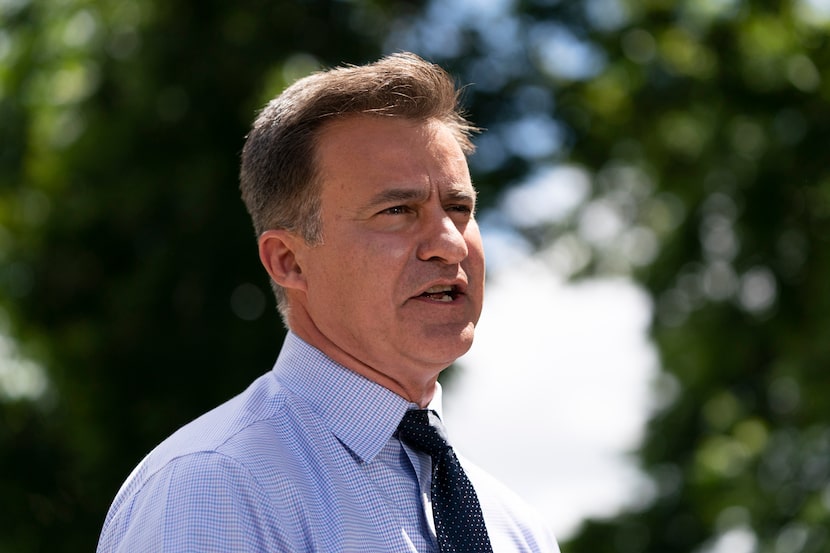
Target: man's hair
279, 178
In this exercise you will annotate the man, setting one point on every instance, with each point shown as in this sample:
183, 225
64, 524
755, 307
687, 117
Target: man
358, 187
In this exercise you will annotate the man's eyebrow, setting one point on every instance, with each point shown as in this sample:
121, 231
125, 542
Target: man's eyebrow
418, 194
461, 195
393, 195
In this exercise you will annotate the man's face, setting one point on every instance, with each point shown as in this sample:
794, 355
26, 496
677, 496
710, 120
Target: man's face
398, 282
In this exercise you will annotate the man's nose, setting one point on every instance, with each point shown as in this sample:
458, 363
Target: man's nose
442, 239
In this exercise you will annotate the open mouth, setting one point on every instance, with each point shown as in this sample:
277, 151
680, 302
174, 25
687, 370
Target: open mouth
442, 293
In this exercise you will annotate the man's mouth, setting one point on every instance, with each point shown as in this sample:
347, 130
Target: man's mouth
441, 293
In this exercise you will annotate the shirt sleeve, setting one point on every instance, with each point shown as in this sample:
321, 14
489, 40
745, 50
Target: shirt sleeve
203, 501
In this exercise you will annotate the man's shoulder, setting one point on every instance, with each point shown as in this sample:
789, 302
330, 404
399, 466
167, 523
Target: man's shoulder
263, 402
231, 455
265, 419
186, 500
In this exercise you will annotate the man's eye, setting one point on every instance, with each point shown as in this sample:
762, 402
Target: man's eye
459, 208
396, 210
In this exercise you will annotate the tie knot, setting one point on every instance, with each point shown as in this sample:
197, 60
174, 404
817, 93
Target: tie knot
422, 430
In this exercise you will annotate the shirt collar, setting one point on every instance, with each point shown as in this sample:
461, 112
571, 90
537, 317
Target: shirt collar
362, 414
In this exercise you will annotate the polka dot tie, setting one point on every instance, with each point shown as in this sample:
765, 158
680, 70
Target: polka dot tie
455, 508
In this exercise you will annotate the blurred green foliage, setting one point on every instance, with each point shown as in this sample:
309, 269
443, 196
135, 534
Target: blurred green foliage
726, 111
135, 305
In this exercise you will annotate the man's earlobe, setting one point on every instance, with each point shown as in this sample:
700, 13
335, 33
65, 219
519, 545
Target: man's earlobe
277, 252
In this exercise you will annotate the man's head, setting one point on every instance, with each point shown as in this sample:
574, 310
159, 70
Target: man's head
279, 174
367, 227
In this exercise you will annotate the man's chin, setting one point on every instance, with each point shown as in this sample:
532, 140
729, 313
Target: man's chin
445, 345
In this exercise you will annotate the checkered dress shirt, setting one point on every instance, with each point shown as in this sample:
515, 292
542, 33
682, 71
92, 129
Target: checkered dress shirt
304, 460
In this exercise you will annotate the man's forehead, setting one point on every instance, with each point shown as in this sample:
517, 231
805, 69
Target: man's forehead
394, 152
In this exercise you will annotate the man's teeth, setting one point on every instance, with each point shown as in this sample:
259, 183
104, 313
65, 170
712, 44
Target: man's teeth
440, 293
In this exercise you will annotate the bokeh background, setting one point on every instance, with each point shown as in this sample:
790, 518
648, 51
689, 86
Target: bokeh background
667, 160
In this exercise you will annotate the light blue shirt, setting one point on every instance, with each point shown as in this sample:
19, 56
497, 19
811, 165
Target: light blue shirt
305, 459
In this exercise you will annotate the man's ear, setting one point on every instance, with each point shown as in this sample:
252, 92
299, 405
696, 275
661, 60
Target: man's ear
278, 254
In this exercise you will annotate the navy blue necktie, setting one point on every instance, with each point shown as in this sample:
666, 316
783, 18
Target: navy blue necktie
459, 523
